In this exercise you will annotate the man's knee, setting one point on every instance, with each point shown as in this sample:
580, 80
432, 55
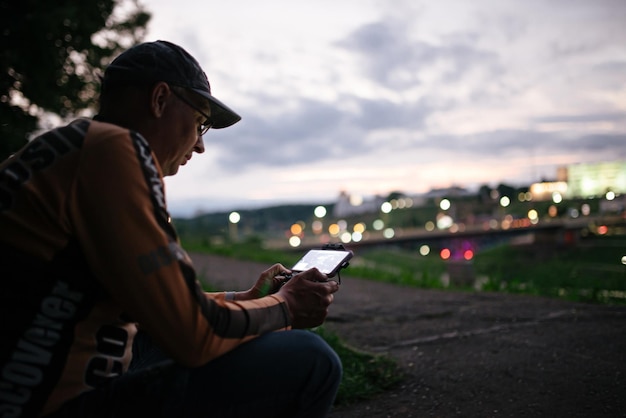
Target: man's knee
324, 361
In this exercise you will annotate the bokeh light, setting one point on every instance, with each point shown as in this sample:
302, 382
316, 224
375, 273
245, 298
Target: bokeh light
585, 209
296, 229
444, 222
234, 217
356, 200
317, 226
553, 211
320, 211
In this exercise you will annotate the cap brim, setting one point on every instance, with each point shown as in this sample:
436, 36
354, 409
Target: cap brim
222, 116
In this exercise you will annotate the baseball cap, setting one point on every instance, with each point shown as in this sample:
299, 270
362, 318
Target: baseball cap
165, 61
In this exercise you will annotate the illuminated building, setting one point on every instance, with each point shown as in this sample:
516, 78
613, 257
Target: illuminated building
595, 179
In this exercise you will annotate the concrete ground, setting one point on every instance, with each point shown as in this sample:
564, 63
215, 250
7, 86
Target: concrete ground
472, 354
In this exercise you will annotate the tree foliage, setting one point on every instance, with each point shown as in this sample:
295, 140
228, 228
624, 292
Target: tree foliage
51, 54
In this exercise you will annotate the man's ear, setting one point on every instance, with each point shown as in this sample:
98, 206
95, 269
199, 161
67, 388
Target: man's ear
159, 98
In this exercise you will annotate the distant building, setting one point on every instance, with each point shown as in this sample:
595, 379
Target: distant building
348, 205
453, 191
547, 190
596, 179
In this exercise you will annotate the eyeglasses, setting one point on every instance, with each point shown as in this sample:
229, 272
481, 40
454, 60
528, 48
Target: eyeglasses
203, 127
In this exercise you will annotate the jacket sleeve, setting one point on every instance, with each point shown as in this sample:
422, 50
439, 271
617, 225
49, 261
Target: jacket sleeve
119, 214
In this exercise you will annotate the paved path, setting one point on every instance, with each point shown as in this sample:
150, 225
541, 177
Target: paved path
473, 354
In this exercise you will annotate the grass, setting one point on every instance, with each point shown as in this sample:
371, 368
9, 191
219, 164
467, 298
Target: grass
591, 272
364, 374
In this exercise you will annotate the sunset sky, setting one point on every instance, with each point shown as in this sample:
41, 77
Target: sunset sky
372, 96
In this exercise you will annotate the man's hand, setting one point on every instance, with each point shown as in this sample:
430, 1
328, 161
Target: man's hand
268, 282
308, 295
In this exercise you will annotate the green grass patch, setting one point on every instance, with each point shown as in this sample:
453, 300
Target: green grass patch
250, 250
592, 272
398, 267
364, 374
589, 272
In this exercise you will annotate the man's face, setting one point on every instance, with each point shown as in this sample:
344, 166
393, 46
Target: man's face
182, 136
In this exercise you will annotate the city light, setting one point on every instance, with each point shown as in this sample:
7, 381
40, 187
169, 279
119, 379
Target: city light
234, 217
553, 211
378, 225
445, 204
557, 197
389, 233
295, 241
334, 230
445, 253
424, 250
444, 221
356, 200
505, 201
610, 195
296, 229
320, 211
317, 226
386, 207
468, 255
533, 215
585, 209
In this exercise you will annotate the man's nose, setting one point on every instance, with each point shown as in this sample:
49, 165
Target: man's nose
199, 146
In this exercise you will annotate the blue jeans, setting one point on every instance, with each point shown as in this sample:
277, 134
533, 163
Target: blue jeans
280, 374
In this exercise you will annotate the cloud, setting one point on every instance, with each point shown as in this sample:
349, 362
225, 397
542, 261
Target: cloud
411, 95
393, 59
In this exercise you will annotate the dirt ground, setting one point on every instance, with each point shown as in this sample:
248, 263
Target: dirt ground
473, 354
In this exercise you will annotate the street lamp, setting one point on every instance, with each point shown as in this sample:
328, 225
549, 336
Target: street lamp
233, 220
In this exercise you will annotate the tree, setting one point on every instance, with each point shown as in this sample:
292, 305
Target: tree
51, 54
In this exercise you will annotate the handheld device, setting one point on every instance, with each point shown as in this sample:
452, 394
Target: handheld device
328, 261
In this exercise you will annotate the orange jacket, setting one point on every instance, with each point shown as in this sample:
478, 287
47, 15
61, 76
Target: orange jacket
87, 252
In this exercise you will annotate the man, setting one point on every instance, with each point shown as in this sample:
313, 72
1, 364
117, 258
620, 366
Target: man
89, 257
